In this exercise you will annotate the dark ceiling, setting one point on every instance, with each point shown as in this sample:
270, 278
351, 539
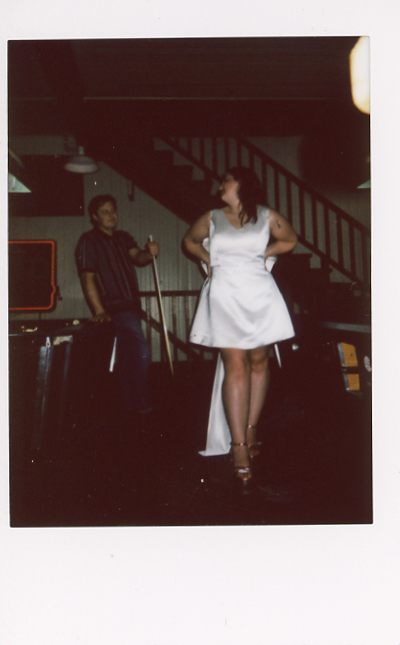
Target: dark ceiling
261, 86
113, 95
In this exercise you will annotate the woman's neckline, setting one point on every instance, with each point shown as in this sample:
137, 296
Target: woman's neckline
230, 223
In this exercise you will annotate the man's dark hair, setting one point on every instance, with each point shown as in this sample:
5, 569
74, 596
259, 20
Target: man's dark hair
99, 201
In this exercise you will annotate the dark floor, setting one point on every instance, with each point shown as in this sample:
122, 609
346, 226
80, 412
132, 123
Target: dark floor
98, 469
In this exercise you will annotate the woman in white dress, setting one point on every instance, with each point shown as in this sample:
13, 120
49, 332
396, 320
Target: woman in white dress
241, 310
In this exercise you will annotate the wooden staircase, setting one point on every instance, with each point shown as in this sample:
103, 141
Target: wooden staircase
184, 173
339, 244
154, 172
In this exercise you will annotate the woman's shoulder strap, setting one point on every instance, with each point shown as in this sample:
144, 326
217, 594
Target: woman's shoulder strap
214, 214
263, 211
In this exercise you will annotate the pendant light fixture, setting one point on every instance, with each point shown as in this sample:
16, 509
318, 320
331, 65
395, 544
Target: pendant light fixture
80, 163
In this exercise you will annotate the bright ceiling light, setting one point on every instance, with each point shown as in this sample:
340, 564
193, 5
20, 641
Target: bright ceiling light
80, 163
359, 74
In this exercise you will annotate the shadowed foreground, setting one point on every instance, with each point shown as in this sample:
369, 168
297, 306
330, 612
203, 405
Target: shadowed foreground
95, 468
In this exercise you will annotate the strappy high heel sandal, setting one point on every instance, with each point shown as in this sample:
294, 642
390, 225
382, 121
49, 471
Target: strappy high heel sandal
253, 448
241, 472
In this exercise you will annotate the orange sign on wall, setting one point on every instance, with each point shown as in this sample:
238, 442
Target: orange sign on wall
32, 275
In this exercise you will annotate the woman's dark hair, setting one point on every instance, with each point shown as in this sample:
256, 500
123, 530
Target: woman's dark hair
249, 192
99, 201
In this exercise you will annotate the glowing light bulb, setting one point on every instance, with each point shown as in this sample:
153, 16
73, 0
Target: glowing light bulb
359, 74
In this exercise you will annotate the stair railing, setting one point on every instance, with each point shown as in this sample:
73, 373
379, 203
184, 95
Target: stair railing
178, 328
337, 238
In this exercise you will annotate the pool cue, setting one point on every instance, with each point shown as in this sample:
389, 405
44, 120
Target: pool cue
113, 355
161, 308
278, 356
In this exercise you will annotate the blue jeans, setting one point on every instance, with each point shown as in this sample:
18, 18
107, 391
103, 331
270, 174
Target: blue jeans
132, 362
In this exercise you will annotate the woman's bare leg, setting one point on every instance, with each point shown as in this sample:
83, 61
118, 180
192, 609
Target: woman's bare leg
236, 399
259, 381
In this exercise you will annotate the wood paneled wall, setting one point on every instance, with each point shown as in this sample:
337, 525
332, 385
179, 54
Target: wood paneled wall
142, 217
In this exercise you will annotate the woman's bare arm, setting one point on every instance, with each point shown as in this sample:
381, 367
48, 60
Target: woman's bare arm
193, 240
284, 234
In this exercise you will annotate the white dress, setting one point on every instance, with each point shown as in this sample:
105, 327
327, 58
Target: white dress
240, 305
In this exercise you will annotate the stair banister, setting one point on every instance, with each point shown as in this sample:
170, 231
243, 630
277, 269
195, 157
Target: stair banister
290, 180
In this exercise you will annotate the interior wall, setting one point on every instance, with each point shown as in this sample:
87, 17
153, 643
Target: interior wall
141, 217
